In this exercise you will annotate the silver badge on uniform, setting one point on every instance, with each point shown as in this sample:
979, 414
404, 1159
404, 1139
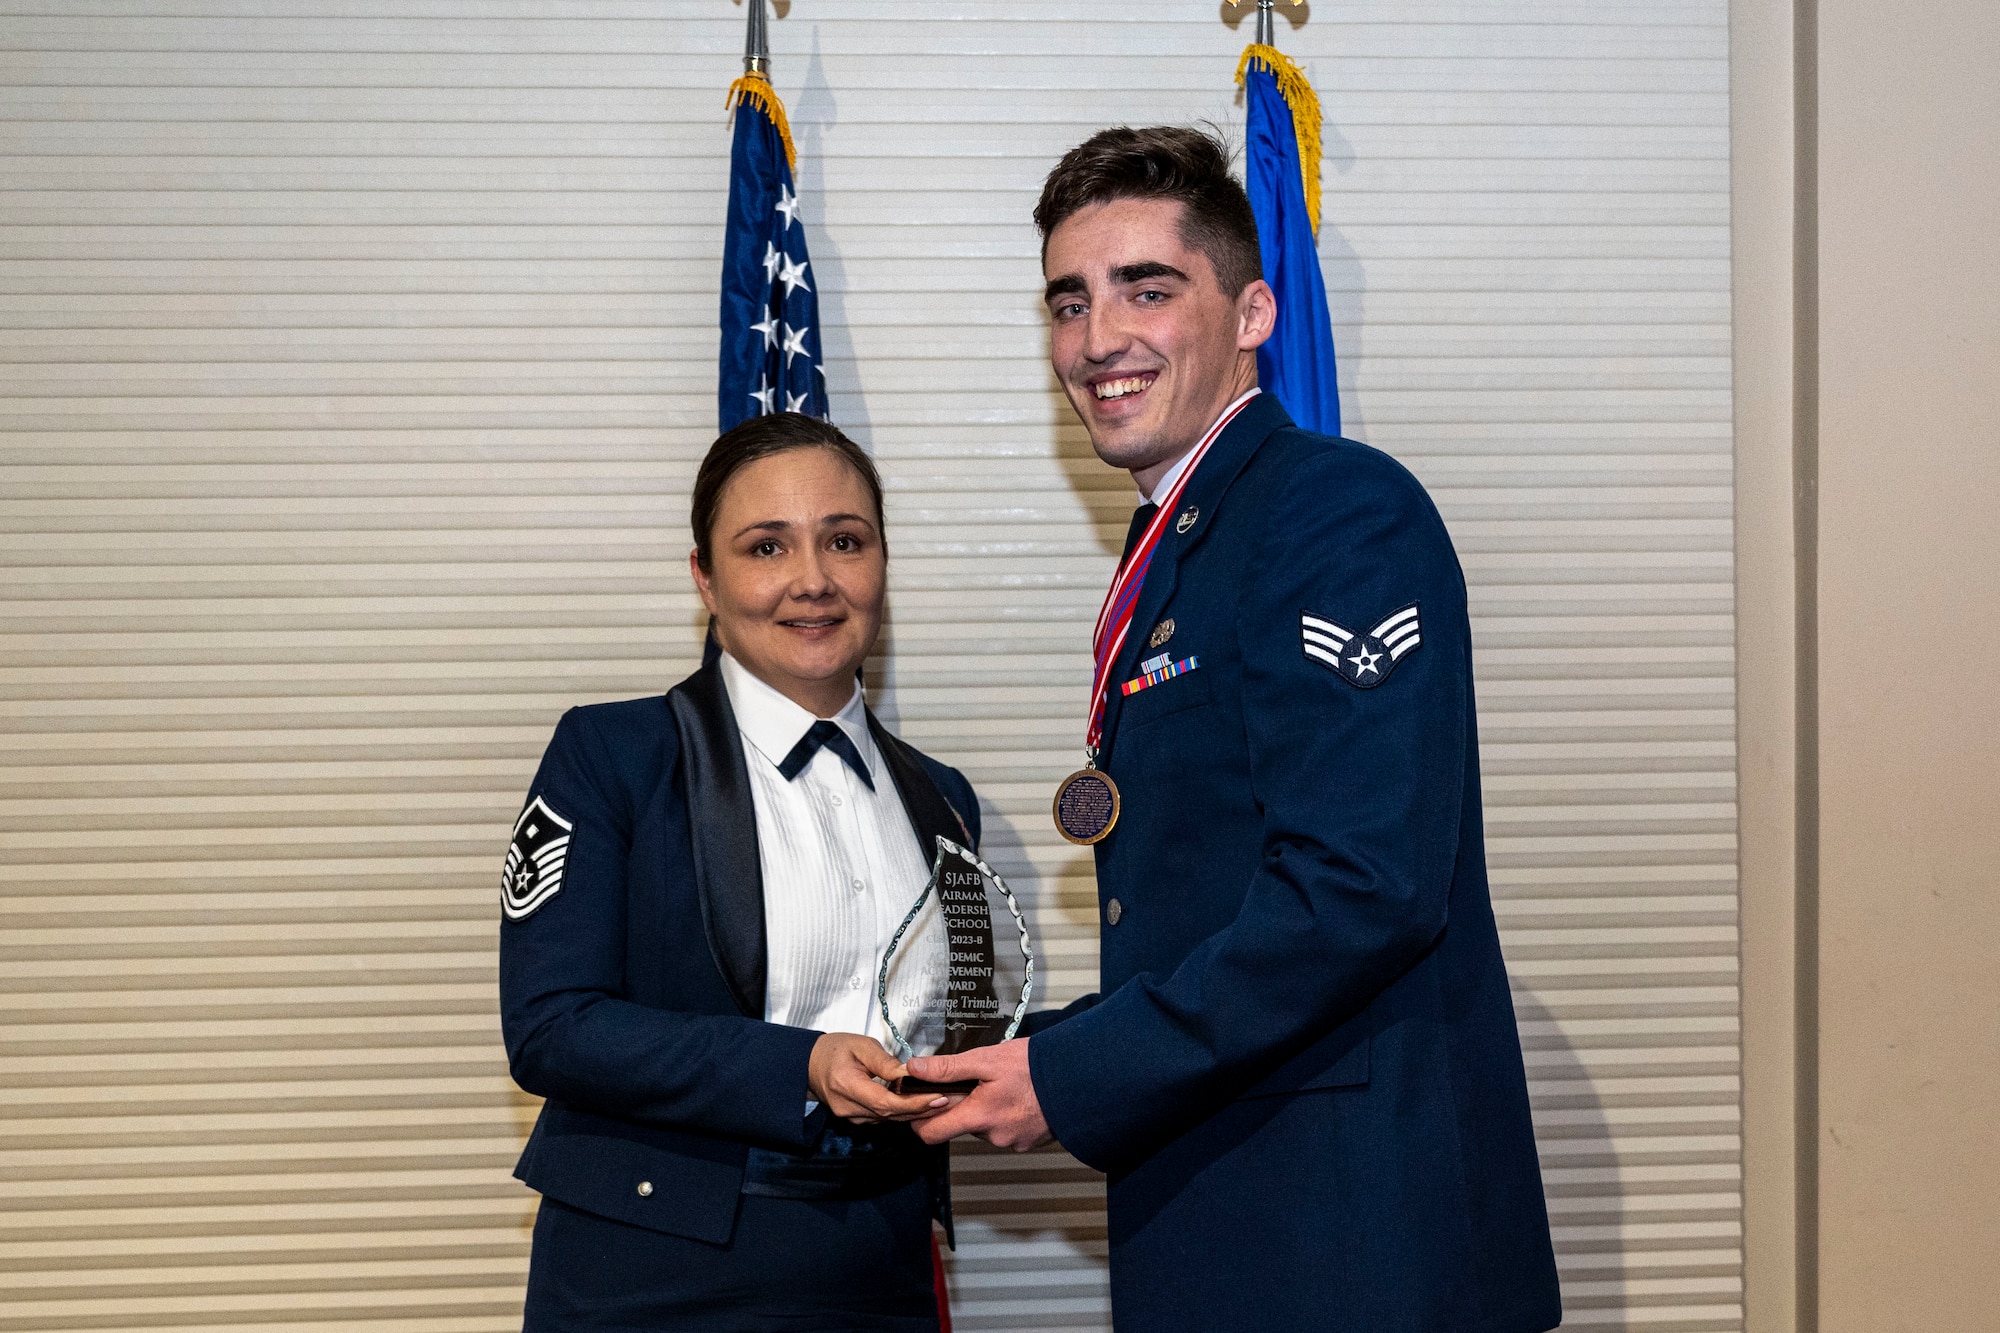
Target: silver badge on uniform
1362, 660
1187, 518
535, 858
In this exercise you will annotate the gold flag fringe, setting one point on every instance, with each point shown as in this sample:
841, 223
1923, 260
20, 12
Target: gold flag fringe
1304, 102
757, 90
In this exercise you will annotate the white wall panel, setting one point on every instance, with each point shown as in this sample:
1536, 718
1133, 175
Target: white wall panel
357, 357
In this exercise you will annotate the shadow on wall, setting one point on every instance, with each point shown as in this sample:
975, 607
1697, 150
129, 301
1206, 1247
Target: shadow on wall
1105, 493
812, 113
1580, 1171
1065, 1264
1346, 283
1045, 1211
1108, 497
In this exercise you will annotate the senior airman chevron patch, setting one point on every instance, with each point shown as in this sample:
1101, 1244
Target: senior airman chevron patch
1362, 660
535, 859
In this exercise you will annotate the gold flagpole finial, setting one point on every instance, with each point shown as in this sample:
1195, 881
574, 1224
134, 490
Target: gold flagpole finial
1267, 20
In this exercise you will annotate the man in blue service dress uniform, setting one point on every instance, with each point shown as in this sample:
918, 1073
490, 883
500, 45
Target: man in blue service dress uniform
1302, 1074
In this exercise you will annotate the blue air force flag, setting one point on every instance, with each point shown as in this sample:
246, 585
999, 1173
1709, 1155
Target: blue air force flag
1281, 173
770, 313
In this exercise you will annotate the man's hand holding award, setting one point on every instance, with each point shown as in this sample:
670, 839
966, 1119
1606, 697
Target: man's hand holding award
975, 968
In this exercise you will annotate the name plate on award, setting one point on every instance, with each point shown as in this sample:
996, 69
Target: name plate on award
962, 973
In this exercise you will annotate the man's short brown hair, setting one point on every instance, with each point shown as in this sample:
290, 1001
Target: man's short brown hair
1187, 166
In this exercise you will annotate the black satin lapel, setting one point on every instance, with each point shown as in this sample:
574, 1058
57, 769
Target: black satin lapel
931, 815
722, 825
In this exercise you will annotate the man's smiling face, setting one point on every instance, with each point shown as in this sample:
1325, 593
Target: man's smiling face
1148, 346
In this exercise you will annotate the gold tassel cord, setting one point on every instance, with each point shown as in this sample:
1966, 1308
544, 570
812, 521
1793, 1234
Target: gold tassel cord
1304, 102
757, 90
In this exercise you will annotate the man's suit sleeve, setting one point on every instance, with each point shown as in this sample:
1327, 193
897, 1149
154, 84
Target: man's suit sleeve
1360, 789
1044, 1019
570, 1036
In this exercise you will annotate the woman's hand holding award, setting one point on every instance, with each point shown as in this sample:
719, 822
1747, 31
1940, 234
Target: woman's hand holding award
962, 972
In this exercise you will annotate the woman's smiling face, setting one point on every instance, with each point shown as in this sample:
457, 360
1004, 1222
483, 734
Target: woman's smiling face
798, 573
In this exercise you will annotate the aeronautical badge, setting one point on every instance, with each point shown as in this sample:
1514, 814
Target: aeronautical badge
534, 860
1362, 660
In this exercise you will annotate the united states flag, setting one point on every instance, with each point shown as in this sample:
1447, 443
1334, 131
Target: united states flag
770, 312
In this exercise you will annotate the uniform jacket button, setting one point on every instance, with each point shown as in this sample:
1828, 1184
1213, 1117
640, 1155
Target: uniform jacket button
645, 1189
1113, 910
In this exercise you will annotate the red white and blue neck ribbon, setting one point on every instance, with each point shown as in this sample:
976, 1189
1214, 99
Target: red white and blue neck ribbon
1114, 621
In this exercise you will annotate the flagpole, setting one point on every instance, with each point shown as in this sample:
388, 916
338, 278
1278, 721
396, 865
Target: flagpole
756, 40
1267, 21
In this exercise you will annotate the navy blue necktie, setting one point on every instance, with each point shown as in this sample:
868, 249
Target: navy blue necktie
824, 733
1140, 518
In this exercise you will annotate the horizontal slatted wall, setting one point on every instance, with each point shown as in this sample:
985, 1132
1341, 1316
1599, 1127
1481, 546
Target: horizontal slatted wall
356, 358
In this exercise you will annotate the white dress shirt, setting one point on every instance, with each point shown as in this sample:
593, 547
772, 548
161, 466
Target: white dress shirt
841, 868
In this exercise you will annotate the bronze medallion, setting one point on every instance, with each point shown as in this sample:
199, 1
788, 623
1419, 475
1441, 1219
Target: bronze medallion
1086, 806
